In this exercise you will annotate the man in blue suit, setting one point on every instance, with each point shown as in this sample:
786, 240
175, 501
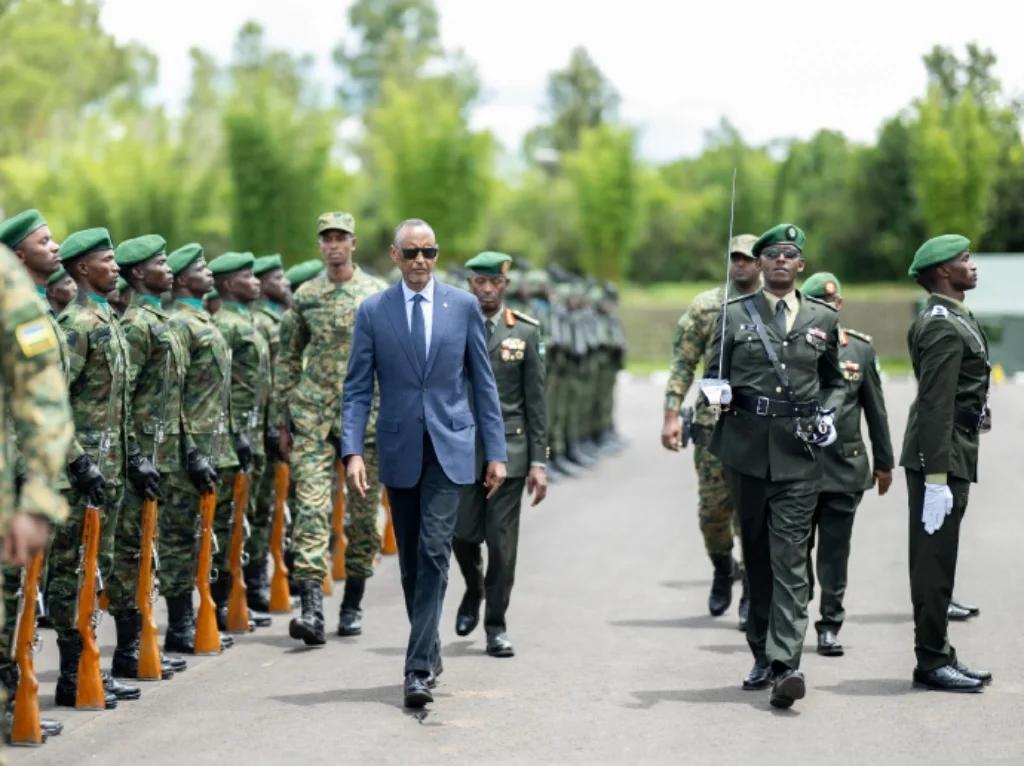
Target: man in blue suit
425, 343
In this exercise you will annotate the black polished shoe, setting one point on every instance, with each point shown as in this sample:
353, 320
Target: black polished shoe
828, 644
957, 613
437, 670
118, 689
789, 686
260, 620
759, 677
981, 675
468, 616
175, 664
946, 679
350, 622
498, 645
417, 694
972, 610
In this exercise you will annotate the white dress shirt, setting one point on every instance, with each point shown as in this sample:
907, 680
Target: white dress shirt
427, 305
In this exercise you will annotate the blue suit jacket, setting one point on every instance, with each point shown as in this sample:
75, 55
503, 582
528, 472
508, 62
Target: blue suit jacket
412, 399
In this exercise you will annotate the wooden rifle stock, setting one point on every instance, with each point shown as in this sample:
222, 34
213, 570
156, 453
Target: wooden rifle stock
388, 543
238, 607
90, 694
280, 598
207, 635
338, 524
25, 728
149, 642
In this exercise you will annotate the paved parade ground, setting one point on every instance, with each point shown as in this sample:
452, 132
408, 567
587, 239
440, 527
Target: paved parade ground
617, 659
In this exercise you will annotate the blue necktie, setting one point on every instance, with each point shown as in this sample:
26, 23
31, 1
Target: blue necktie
419, 331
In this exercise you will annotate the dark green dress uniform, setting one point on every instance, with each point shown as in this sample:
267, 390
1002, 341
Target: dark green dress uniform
847, 471
949, 352
773, 476
517, 357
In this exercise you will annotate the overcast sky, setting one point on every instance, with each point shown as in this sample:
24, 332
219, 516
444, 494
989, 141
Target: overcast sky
775, 69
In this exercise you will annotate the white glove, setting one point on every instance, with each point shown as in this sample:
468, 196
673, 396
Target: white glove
938, 503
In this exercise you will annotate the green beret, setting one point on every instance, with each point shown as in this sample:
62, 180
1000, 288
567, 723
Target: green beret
231, 262
138, 249
16, 228
303, 272
85, 241
783, 234
184, 256
122, 284
938, 250
821, 285
338, 220
56, 276
490, 264
266, 263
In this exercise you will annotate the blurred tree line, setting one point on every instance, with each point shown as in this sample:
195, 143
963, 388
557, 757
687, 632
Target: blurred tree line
260, 149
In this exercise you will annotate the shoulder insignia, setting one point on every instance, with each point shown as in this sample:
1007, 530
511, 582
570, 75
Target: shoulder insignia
862, 335
35, 337
820, 302
938, 311
525, 317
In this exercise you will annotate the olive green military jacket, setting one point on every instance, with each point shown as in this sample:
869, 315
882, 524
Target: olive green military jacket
33, 399
517, 358
98, 383
846, 465
761, 446
250, 372
207, 382
949, 352
158, 359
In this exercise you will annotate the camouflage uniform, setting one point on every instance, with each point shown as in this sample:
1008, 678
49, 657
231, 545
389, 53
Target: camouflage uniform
250, 391
207, 376
267, 317
690, 346
316, 337
158, 360
98, 389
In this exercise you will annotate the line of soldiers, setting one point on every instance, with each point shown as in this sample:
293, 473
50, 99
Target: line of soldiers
781, 459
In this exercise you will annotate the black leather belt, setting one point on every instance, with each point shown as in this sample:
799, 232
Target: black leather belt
775, 408
969, 420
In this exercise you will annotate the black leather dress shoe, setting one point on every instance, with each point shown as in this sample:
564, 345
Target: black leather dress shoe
759, 677
119, 690
417, 694
468, 616
260, 620
828, 644
981, 675
789, 687
972, 610
498, 645
946, 679
957, 613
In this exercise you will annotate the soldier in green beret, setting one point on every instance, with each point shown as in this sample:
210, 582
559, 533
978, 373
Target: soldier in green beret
99, 388
949, 352
250, 392
209, 453
316, 337
847, 471
780, 357
517, 357
60, 290
157, 362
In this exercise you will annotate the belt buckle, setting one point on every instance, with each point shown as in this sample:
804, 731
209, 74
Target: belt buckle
762, 405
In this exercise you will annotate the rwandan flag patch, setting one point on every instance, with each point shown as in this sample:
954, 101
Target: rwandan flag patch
35, 337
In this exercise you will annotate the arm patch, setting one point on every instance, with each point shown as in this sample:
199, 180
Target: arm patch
35, 337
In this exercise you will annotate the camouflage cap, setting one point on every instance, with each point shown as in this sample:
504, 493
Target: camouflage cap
16, 228
336, 220
303, 272
85, 241
821, 285
938, 250
782, 234
56, 276
743, 244
184, 256
490, 263
266, 263
228, 263
139, 249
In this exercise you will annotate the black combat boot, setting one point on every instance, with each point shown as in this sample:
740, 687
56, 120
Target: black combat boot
309, 626
49, 727
350, 619
257, 585
126, 655
721, 584
181, 625
70, 650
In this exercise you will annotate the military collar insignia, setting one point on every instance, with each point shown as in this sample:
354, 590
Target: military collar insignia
938, 310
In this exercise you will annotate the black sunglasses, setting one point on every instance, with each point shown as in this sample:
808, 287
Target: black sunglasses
430, 253
787, 253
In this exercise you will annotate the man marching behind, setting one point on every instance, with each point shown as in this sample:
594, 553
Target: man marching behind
780, 355
517, 358
949, 352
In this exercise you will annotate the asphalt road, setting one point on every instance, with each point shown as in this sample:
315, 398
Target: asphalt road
617, 659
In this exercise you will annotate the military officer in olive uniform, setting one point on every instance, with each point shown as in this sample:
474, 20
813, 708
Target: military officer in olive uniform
780, 356
847, 471
517, 357
949, 352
